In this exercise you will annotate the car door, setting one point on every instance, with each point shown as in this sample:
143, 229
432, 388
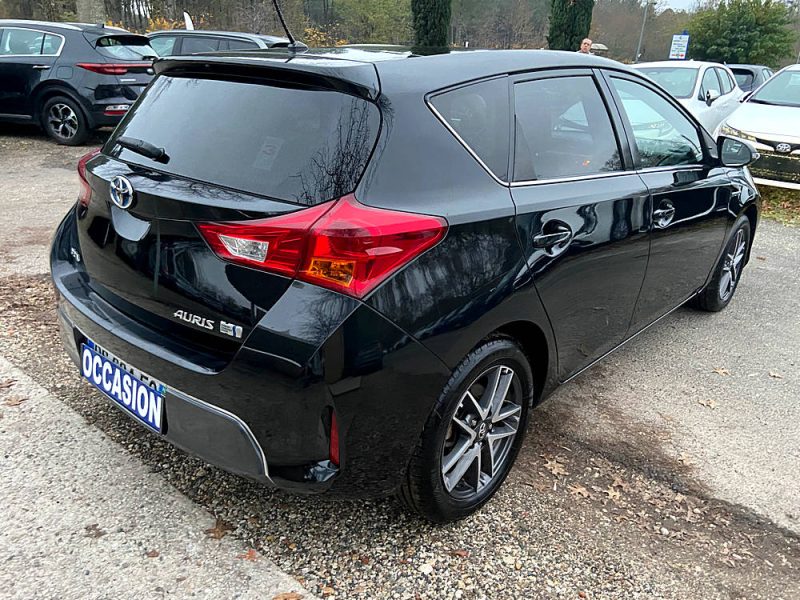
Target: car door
26, 57
690, 195
581, 215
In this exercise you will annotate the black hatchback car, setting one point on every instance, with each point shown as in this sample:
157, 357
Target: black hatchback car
70, 78
361, 276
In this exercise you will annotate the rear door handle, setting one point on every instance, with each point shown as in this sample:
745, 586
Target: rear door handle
41, 67
554, 239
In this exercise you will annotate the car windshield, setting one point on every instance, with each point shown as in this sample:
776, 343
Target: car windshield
125, 47
678, 81
782, 90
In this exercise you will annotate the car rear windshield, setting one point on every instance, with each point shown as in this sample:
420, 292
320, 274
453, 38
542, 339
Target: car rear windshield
125, 47
678, 81
743, 77
302, 145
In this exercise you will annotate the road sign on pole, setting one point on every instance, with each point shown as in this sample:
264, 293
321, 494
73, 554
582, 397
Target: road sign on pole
679, 47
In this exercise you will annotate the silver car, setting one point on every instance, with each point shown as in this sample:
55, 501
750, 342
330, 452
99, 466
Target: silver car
770, 120
707, 90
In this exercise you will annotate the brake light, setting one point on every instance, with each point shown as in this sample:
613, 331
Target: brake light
85, 193
333, 451
342, 245
111, 68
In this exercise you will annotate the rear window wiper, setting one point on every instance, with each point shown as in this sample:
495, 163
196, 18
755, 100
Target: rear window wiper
146, 149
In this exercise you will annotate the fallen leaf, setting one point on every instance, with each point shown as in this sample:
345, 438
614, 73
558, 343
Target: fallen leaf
220, 529
328, 591
612, 493
15, 400
685, 459
93, 531
555, 467
151, 554
775, 375
250, 555
459, 553
708, 403
579, 490
288, 596
721, 371
364, 560
7, 383
620, 483
761, 258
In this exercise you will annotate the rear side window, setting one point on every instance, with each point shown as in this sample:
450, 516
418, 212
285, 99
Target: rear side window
478, 113
296, 144
125, 47
562, 130
241, 45
725, 81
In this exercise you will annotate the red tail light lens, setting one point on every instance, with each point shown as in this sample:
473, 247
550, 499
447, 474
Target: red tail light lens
111, 68
342, 245
334, 445
85, 193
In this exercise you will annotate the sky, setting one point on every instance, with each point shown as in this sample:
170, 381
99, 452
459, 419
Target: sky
677, 4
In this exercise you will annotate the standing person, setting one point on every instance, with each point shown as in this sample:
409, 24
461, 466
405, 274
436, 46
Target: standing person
586, 46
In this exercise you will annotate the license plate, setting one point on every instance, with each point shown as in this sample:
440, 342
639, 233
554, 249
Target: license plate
134, 391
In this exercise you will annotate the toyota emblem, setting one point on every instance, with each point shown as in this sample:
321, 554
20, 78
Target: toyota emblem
783, 148
121, 192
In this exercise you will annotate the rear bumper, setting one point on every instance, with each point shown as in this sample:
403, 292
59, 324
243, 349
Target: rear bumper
266, 414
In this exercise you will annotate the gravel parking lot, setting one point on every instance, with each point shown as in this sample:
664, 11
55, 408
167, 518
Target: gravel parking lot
672, 470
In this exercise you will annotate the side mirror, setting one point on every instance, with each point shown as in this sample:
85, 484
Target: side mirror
734, 152
711, 95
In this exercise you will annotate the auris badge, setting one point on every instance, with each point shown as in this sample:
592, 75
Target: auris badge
121, 192
783, 148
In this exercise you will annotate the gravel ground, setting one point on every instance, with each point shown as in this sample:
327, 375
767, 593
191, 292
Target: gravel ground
614, 495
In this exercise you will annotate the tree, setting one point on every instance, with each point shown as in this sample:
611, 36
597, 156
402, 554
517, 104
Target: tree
742, 31
431, 20
570, 21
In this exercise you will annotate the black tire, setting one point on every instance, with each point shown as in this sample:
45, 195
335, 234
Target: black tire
720, 290
423, 489
63, 120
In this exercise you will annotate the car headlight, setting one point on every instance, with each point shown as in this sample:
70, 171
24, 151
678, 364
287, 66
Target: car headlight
733, 132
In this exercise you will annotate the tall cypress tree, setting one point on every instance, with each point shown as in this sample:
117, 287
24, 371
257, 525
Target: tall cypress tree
570, 21
431, 20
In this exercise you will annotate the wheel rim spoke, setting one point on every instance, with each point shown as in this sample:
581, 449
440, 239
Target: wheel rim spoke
481, 432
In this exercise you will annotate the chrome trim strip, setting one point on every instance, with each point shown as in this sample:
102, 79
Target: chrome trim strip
672, 168
463, 143
60, 48
212, 408
575, 178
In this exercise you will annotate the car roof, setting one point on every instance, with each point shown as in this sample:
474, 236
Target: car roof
416, 71
746, 66
271, 39
679, 64
94, 28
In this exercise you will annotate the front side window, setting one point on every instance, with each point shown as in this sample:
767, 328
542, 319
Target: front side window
663, 135
21, 42
710, 82
164, 45
562, 130
478, 113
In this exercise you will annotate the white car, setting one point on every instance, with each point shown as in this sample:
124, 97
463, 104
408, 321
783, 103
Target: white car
707, 90
770, 120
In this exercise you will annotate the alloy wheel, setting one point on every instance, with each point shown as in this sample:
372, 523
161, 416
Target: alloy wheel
62, 120
733, 262
481, 433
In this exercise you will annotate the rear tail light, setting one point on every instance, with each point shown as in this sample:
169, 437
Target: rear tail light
112, 68
334, 445
342, 245
115, 110
85, 193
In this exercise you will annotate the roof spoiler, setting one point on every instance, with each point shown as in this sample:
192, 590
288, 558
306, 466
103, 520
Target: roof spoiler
350, 77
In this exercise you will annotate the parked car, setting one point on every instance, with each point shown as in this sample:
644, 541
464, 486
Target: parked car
366, 289
70, 78
770, 120
708, 90
188, 41
749, 77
